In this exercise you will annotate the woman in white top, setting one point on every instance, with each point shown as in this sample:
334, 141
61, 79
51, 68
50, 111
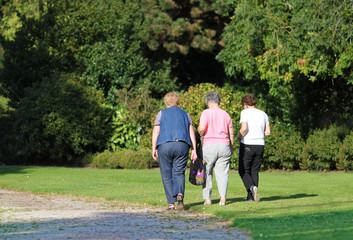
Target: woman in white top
254, 127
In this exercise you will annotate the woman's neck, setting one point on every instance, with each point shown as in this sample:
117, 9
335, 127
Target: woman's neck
213, 105
249, 107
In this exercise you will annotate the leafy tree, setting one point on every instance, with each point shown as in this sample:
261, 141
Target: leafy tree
60, 120
300, 52
189, 33
96, 39
178, 25
102, 41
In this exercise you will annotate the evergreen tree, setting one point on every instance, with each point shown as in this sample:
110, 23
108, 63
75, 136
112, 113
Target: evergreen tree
188, 31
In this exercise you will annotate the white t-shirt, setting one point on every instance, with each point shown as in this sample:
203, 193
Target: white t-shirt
257, 121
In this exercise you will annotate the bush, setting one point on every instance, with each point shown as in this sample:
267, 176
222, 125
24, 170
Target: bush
345, 159
193, 101
125, 158
321, 150
132, 123
124, 133
283, 148
59, 121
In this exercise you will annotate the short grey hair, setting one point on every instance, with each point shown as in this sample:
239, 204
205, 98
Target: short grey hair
213, 97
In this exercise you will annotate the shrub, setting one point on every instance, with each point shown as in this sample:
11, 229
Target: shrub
283, 148
321, 150
125, 158
193, 101
132, 123
124, 133
60, 120
345, 159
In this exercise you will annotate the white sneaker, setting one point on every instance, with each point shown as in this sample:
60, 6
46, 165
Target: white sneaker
254, 193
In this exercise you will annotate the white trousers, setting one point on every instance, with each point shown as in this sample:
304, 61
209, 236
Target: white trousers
217, 157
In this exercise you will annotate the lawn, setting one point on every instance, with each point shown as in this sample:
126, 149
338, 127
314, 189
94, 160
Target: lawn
295, 205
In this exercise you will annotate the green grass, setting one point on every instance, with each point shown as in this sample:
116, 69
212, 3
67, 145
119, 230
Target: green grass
296, 205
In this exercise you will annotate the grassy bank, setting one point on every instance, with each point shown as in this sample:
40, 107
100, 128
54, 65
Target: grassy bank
297, 205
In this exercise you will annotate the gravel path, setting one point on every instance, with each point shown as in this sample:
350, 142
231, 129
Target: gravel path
33, 216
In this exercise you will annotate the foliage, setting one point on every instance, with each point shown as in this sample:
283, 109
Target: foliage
178, 26
99, 40
60, 120
124, 158
143, 109
7, 140
345, 161
10, 11
125, 134
132, 123
188, 33
321, 150
283, 148
193, 101
301, 50
27, 59
118, 61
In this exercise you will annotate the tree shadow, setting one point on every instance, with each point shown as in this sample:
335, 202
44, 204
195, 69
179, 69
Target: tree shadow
12, 170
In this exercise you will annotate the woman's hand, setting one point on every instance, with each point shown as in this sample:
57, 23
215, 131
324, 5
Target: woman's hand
155, 154
193, 155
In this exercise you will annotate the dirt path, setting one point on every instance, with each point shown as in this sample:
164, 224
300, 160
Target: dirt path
34, 216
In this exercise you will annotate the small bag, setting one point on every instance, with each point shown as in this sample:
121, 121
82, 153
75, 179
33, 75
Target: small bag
197, 172
197, 169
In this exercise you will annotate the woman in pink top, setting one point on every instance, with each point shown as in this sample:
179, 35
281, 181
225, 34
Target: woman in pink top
217, 128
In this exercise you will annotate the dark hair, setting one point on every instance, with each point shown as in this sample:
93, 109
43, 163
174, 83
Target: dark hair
213, 97
249, 100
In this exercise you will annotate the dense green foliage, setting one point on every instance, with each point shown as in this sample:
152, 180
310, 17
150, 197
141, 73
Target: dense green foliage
300, 52
59, 120
189, 33
345, 158
283, 148
177, 26
98, 40
193, 101
295, 56
124, 158
297, 205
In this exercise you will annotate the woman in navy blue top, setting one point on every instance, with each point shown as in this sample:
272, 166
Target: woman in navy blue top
173, 135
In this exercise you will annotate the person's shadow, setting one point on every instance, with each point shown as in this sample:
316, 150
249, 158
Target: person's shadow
263, 199
295, 196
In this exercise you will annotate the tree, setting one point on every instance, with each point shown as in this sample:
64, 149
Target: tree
58, 121
78, 37
189, 33
300, 52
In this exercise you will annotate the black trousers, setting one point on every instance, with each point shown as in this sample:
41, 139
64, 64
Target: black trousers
250, 158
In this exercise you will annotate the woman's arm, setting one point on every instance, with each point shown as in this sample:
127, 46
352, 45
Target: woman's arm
155, 134
242, 131
201, 130
231, 137
267, 130
193, 142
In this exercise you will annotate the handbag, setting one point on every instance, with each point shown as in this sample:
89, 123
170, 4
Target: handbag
197, 172
197, 168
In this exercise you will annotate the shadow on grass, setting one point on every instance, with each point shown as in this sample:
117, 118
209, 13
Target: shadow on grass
12, 170
265, 199
295, 196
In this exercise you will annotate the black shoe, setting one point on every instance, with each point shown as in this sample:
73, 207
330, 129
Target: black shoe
180, 206
250, 198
